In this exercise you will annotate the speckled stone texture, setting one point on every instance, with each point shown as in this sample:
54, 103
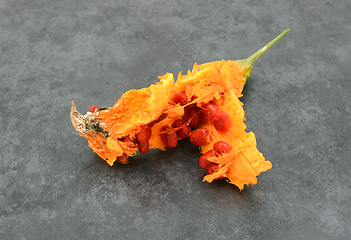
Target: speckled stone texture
297, 102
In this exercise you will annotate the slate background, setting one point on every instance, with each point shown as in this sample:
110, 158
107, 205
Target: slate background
297, 102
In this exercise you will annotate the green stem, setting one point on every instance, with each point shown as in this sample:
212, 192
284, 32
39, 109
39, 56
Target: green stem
252, 59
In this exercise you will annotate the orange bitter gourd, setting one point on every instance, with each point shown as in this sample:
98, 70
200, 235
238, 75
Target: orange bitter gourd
203, 104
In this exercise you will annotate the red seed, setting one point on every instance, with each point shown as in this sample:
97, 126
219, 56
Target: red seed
212, 169
144, 147
169, 137
181, 128
222, 147
181, 98
221, 121
192, 115
144, 135
178, 123
195, 120
163, 116
200, 137
127, 140
210, 110
93, 108
123, 158
183, 132
203, 160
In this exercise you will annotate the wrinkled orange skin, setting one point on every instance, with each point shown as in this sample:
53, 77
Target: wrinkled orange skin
220, 82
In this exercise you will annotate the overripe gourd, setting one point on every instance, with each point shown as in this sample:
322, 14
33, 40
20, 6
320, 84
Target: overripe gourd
203, 104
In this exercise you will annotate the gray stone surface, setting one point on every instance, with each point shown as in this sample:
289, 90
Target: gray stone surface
297, 102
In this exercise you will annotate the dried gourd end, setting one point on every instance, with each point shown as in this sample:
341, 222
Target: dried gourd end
86, 123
